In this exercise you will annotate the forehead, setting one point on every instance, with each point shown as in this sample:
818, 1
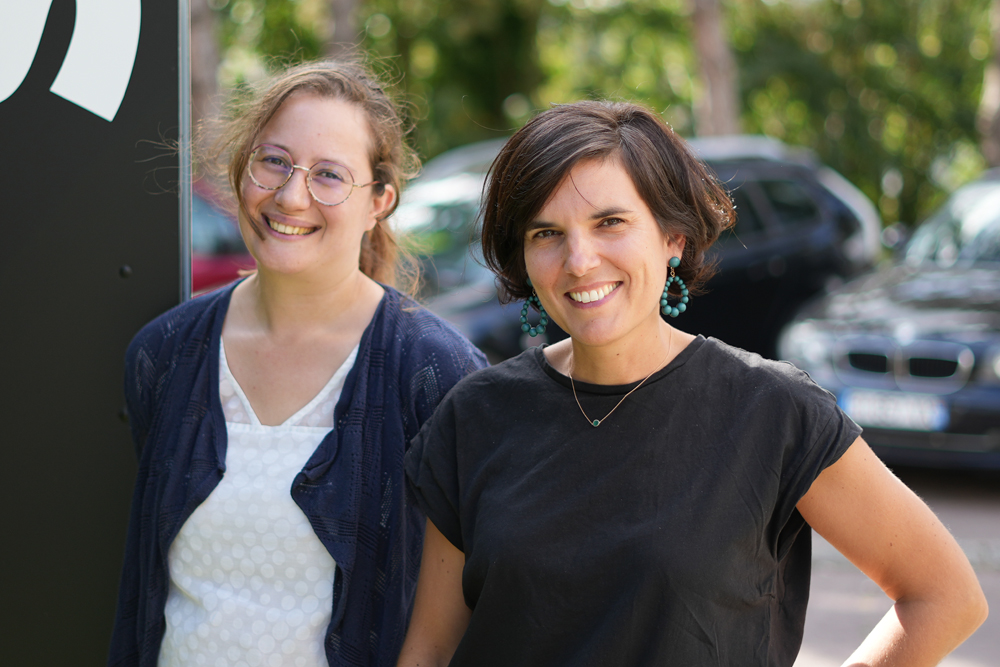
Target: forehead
314, 128
594, 184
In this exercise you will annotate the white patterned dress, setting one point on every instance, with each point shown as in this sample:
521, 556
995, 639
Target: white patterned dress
250, 583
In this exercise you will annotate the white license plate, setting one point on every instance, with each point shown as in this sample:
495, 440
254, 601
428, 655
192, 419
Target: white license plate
893, 409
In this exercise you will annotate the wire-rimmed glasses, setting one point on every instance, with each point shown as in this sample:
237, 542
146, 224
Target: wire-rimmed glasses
329, 183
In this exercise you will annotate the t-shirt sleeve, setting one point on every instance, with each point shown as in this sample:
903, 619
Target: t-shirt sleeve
432, 471
818, 435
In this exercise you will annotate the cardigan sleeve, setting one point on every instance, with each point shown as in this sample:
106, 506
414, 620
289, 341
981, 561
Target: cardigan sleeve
139, 385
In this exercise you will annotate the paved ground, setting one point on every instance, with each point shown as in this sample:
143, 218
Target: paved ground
845, 605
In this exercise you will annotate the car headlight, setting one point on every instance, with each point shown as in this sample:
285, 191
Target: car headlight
989, 370
806, 345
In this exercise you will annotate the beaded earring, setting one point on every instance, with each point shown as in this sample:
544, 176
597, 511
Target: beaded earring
666, 308
540, 327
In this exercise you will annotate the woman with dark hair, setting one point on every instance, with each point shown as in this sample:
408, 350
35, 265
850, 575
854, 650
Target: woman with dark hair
269, 521
635, 495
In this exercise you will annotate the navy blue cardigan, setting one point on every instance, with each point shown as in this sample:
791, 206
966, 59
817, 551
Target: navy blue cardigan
352, 489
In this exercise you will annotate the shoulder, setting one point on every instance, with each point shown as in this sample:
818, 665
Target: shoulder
749, 374
511, 380
424, 336
190, 322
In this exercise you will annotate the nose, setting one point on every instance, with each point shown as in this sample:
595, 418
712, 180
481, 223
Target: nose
294, 195
581, 255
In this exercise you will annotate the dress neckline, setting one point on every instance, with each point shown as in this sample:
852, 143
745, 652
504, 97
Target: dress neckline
331, 384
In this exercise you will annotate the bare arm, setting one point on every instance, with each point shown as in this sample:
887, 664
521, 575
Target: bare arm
440, 614
882, 527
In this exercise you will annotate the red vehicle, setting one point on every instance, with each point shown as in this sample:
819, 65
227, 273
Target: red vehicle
218, 253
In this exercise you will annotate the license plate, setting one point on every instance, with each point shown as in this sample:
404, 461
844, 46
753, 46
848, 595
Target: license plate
892, 409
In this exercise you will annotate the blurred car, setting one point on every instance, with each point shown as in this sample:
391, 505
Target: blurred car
912, 352
800, 227
218, 253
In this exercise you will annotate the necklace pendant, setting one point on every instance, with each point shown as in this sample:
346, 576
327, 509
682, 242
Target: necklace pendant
596, 423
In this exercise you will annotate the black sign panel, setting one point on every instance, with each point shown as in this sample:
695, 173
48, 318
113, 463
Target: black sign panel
89, 111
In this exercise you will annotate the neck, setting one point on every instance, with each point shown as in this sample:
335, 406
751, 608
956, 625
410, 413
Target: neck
278, 304
621, 364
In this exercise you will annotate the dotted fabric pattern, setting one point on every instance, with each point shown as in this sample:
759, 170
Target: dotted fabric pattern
250, 583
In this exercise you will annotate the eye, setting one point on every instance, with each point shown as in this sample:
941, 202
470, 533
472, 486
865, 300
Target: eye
544, 234
330, 173
612, 222
272, 158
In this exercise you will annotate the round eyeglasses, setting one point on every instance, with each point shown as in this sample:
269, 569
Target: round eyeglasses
329, 183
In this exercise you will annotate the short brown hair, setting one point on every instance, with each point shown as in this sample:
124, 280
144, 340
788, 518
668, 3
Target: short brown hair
681, 192
348, 79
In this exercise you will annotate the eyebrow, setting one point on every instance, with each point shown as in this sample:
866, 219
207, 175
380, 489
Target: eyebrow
285, 148
596, 215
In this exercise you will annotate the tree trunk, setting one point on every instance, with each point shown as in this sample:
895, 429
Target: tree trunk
344, 33
716, 109
988, 121
204, 63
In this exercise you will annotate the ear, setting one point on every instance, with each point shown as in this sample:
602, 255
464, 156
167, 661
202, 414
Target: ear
381, 204
675, 244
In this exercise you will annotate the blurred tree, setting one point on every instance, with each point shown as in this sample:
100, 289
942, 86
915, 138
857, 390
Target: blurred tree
204, 62
988, 121
603, 48
887, 93
717, 108
343, 29
471, 65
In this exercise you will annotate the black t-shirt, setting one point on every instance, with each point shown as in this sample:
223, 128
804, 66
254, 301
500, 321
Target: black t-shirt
668, 535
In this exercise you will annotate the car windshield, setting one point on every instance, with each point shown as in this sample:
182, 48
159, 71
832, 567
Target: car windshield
437, 223
965, 230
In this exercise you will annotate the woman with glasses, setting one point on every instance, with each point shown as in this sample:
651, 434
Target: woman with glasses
634, 495
269, 522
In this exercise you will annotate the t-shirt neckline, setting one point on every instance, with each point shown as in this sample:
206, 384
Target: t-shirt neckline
611, 389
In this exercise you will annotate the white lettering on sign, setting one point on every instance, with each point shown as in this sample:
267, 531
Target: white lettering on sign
20, 32
98, 63
101, 54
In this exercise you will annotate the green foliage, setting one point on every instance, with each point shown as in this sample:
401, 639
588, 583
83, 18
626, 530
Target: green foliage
464, 62
885, 92
254, 33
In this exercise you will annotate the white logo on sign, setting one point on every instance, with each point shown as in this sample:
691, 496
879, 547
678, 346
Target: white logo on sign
99, 61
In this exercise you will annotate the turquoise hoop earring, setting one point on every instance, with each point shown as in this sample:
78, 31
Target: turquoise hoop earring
665, 307
540, 327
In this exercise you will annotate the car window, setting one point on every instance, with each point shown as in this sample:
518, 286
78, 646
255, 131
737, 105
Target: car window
985, 245
965, 228
792, 204
212, 233
444, 238
747, 221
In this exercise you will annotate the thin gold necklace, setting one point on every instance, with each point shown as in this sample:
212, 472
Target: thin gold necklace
597, 422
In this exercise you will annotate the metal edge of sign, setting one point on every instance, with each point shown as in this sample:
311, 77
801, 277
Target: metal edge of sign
184, 139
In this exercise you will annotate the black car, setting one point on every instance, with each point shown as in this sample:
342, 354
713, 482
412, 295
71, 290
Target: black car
912, 352
800, 228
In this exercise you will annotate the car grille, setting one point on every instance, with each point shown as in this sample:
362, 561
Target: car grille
869, 363
937, 367
933, 368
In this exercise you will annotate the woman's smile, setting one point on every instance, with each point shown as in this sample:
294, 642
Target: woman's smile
594, 296
287, 228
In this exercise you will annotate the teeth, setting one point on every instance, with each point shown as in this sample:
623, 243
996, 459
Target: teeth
594, 294
287, 229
